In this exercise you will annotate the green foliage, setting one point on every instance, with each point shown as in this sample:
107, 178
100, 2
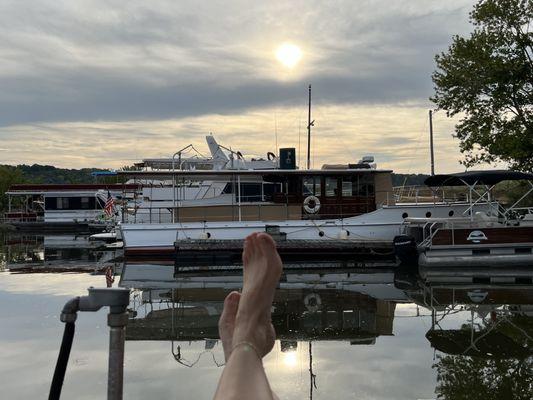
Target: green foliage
9, 175
487, 78
511, 191
49, 174
471, 378
45, 174
408, 179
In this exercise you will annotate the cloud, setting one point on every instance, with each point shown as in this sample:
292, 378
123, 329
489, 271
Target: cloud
93, 61
103, 83
396, 135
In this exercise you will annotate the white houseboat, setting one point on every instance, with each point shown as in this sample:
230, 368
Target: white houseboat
353, 203
63, 207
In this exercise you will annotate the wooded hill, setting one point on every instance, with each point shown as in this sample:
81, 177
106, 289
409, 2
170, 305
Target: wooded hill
49, 174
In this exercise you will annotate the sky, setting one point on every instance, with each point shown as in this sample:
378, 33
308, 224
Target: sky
105, 83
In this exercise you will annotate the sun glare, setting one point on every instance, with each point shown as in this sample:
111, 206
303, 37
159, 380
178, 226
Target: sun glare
290, 358
289, 55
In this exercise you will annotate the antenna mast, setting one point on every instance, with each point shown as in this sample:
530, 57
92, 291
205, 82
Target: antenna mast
431, 142
309, 125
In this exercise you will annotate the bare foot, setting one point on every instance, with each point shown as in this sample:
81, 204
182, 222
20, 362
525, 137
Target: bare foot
262, 270
226, 324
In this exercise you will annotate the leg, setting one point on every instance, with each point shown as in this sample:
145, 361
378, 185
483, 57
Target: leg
248, 320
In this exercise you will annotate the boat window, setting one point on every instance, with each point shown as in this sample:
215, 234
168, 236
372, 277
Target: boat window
50, 203
293, 185
363, 185
62, 203
331, 186
269, 189
71, 203
251, 192
228, 188
311, 186
368, 184
347, 186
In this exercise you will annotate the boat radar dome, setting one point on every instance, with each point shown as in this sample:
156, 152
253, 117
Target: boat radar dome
368, 160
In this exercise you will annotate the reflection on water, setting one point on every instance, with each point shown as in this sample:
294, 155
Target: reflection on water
54, 253
342, 332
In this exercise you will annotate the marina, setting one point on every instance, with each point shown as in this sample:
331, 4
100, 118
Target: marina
266, 200
444, 271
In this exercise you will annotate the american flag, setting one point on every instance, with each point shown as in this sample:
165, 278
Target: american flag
109, 279
109, 207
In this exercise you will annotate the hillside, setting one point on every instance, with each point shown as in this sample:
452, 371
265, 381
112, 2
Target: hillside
49, 174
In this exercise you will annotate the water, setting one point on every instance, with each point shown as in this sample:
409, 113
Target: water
343, 333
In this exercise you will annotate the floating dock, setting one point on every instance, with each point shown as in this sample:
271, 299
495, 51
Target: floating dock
191, 253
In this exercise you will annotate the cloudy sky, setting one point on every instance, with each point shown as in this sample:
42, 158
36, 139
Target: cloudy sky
104, 83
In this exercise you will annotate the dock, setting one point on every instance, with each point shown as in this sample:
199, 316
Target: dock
208, 252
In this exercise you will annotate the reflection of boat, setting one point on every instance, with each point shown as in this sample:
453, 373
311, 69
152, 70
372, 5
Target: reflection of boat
500, 237
108, 237
56, 253
476, 325
492, 320
357, 307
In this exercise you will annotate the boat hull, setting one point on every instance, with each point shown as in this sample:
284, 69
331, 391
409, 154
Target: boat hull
380, 225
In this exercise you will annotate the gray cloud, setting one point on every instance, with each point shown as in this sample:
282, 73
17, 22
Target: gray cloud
77, 61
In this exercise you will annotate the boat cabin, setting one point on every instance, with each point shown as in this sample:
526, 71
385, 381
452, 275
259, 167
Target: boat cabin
59, 203
326, 194
264, 195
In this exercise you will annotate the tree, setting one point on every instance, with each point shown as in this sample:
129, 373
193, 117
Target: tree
487, 79
472, 378
8, 176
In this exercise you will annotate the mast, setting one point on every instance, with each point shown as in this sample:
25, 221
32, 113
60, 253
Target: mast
309, 125
312, 376
431, 142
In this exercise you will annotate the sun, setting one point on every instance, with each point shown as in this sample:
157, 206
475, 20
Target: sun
289, 54
290, 358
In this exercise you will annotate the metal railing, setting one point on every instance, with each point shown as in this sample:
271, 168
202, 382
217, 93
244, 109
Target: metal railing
247, 212
15, 217
421, 194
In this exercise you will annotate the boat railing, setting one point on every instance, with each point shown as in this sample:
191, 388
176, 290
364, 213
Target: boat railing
429, 230
21, 217
424, 194
245, 212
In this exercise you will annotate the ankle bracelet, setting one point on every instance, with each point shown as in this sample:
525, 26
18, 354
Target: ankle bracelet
248, 346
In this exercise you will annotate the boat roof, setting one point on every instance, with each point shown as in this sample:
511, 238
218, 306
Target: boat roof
209, 174
167, 163
470, 178
71, 188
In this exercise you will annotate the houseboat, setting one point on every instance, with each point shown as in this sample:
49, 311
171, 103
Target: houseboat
69, 207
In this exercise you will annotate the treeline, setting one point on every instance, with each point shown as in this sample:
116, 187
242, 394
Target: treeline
44, 174
48, 174
408, 179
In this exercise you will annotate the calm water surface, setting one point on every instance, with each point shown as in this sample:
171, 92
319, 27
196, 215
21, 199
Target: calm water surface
342, 333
